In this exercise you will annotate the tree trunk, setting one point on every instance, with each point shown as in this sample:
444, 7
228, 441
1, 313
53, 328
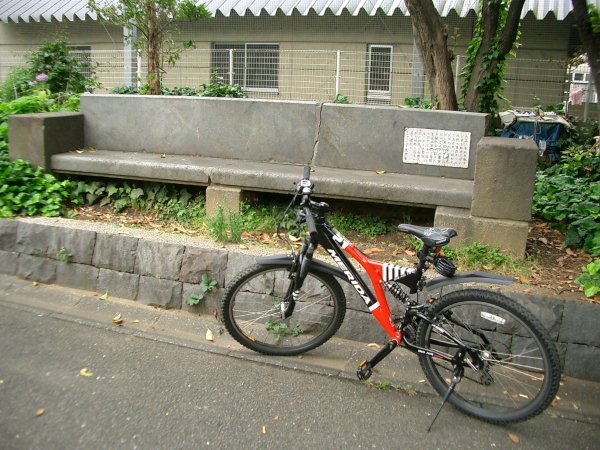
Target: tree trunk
431, 37
483, 67
153, 50
590, 40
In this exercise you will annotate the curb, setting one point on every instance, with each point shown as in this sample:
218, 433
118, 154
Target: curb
163, 270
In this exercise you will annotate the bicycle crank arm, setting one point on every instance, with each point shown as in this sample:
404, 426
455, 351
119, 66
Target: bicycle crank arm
365, 368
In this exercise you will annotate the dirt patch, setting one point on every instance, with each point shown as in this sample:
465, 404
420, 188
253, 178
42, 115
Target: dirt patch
553, 272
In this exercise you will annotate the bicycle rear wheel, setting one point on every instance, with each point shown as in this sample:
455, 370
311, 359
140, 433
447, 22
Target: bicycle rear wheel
517, 366
252, 310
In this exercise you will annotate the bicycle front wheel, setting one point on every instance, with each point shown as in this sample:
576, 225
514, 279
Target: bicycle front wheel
255, 310
512, 369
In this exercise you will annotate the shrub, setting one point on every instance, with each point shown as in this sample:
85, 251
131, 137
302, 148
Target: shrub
27, 191
218, 88
567, 195
54, 65
19, 82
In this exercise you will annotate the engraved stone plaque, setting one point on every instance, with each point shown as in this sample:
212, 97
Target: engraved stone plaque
436, 147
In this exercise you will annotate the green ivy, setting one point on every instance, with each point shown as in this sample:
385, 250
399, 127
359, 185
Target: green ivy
207, 285
27, 191
567, 195
491, 86
590, 278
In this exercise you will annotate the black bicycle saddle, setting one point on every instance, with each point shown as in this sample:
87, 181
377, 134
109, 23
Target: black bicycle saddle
431, 236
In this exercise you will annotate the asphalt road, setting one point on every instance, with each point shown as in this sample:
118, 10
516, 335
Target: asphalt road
147, 394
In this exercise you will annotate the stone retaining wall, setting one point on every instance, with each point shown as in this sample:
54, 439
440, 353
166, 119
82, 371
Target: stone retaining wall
165, 274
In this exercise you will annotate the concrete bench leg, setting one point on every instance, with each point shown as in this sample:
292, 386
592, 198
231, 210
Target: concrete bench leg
227, 196
508, 235
457, 218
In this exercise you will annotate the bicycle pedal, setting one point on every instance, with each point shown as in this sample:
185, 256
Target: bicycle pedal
364, 371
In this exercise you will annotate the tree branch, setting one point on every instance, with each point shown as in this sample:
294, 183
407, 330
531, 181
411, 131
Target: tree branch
511, 28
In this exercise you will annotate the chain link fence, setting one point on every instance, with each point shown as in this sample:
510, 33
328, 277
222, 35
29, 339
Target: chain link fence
378, 76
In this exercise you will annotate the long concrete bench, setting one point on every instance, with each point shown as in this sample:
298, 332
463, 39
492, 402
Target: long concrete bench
438, 159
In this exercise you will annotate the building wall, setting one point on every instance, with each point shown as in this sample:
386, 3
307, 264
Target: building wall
313, 73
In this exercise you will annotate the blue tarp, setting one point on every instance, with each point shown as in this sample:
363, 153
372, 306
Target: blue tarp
546, 135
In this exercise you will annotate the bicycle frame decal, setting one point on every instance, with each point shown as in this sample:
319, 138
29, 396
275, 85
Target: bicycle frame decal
337, 245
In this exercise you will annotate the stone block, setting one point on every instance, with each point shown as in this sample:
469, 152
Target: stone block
458, 219
236, 263
115, 252
76, 245
37, 268
548, 310
361, 326
36, 137
158, 259
580, 323
197, 260
583, 361
34, 239
8, 235
211, 302
504, 178
118, 284
265, 130
78, 276
227, 197
160, 292
372, 138
508, 235
9, 262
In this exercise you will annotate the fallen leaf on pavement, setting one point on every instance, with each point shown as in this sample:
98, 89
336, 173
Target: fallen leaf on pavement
514, 438
85, 372
117, 320
373, 345
264, 429
39, 412
210, 336
380, 172
104, 296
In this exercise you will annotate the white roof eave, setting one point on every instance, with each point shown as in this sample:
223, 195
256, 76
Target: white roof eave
68, 10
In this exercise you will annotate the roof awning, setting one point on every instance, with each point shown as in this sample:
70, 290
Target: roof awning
69, 10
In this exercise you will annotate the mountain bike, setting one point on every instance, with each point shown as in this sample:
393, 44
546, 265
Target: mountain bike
483, 353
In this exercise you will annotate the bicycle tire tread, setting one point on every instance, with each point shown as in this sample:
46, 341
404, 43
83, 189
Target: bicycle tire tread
229, 322
528, 318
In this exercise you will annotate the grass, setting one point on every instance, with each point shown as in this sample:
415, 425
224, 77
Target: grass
261, 217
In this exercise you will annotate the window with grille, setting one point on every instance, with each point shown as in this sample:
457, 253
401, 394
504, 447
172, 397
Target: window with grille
379, 72
255, 67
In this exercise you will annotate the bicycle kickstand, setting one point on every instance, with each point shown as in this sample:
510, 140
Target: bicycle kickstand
365, 368
456, 377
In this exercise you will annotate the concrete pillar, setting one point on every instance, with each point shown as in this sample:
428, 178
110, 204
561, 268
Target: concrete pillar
504, 178
226, 196
129, 56
36, 137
